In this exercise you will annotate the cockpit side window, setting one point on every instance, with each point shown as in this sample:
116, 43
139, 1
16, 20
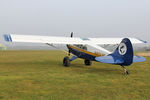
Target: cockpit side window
84, 47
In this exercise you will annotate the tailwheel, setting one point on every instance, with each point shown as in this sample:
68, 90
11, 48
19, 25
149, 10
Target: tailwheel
66, 61
87, 62
125, 71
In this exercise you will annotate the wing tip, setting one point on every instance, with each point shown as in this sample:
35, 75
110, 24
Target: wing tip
7, 37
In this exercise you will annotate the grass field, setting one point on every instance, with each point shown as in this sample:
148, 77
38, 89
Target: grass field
39, 75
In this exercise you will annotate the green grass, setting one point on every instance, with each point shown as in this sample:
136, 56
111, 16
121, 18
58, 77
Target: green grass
40, 75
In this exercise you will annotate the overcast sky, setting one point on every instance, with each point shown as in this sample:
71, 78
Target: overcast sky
86, 18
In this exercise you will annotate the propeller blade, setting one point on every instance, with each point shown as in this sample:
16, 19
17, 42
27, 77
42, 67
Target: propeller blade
69, 50
69, 53
71, 34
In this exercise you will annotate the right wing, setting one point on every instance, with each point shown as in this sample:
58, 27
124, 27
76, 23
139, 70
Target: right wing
66, 40
94, 42
42, 39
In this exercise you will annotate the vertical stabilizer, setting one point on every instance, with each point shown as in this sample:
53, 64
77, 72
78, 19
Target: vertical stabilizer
125, 52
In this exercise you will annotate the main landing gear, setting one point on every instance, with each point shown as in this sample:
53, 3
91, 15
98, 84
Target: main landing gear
87, 62
125, 70
67, 60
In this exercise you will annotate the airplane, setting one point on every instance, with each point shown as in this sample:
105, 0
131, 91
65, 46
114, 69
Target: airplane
123, 55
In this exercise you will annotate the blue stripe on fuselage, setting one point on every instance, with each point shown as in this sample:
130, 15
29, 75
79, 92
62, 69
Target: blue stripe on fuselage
81, 54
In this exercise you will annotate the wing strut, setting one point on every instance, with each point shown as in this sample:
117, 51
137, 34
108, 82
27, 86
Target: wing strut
57, 48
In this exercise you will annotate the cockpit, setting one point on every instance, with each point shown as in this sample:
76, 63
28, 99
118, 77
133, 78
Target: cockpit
84, 47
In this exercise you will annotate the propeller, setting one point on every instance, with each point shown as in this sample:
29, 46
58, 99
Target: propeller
69, 50
71, 34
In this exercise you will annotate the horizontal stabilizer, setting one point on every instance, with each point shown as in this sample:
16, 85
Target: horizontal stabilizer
138, 59
109, 60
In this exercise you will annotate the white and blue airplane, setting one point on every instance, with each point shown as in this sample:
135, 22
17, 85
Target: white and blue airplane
122, 55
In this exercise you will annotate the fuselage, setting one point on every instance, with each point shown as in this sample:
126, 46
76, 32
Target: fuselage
82, 52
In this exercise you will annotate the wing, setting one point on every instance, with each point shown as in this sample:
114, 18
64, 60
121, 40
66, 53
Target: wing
65, 40
94, 42
101, 41
43, 39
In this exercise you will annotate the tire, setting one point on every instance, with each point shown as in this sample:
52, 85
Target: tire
66, 61
87, 62
127, 73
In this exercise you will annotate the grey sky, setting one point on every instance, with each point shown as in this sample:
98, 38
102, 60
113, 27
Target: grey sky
87, 18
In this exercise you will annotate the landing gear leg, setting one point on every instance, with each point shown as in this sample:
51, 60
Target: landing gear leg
125, 70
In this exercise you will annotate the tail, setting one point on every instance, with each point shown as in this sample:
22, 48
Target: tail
125, 52
123, 55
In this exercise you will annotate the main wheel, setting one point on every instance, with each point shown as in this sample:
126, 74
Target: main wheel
127, 73
87, 62
66, 61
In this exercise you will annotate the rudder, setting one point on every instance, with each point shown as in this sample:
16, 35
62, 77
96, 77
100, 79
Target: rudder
125, 52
